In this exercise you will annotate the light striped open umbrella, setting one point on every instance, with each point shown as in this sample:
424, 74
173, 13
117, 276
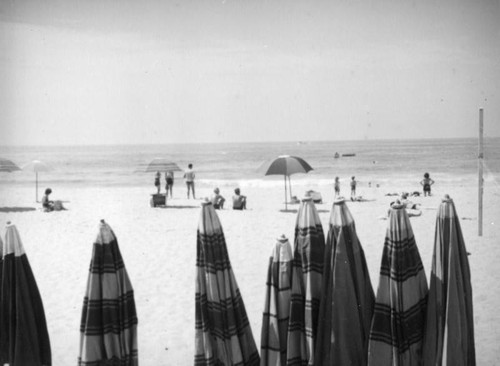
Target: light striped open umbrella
347, 300
307, 274
8, 166
24, 339
273, 339
160, 165
108, 331
399, 317
37, 166
222, 331
449, 331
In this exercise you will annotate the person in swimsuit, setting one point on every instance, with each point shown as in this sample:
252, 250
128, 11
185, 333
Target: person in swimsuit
189, 176
169, 178
157, 181
337, 186
426, 183
218, 200
353, 188
239, 201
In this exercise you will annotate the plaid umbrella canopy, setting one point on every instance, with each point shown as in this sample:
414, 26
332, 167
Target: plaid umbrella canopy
449, 331
108, 331
277, 305
347, 298
222, 331
160, 165
8, 166
24, 339
398, 321
307, 274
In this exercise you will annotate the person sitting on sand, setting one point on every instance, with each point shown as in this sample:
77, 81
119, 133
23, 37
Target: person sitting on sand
426, 183
217, 199
239, 201
49, 205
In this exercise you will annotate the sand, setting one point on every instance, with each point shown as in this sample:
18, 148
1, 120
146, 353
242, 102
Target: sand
159, 249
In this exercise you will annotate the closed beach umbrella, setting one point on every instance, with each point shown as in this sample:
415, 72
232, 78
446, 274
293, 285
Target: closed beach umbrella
399, 317
285, 165
24, 339
37, 166
108, 330
222, 331
449, 331
277, 305
8, 166
347, 298
161, 165
307, 274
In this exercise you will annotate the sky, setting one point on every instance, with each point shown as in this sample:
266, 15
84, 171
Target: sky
151, 71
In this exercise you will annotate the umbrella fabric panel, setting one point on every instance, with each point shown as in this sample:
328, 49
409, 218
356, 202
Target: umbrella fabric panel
287, 165
449, 334
277, 306
222, 331
348, 299
162, 165
399, 317
108, 330
8, 166
24, 339
307, 273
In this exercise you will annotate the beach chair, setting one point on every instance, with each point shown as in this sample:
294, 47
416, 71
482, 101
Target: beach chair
158, 200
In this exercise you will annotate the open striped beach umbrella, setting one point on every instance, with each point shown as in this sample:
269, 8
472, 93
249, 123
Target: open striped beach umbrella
222, 331
24, 339
161, 165
399, 317
307, 273
37, 166
449, 331
347, 298
8, 166
108, 331
277, 305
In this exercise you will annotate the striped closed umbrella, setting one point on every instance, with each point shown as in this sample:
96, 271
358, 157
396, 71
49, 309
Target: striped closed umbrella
307, 274
108, 330
347, 298
399, 317
222, 331
449, 331
277, 305
24, 339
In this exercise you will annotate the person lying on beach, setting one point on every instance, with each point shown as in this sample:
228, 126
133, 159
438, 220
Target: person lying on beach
411, 208
217, 199
49, 205
407, 203
239, 201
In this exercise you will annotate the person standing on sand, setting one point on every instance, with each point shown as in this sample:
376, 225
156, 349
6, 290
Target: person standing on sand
337, 187
157, 181
353, 188
169, 178
189, 177
427, 182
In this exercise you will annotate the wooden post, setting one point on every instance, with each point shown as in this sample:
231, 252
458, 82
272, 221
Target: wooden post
480, 177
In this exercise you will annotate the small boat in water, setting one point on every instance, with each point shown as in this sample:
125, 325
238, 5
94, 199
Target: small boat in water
348, 155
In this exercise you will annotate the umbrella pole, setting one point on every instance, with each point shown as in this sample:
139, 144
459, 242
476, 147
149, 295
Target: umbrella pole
286, 206
36, 186
290, 185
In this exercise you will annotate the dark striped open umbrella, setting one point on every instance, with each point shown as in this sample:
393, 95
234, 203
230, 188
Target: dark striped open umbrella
449, 331
108, 331
307, 274
24, 339
399, 317
347, 298
8, 166
277, 305
223, 336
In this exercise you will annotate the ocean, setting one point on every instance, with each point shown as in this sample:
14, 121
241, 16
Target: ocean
375, 162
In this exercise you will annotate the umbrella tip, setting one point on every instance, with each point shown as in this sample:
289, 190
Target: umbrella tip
102, 221
282, 238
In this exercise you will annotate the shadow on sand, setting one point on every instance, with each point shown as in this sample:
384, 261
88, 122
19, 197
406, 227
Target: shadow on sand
176, 206
17, 209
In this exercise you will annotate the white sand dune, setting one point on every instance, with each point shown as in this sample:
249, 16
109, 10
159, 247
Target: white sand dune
159, 249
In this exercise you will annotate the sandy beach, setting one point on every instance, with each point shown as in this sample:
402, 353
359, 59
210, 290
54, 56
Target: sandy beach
159, 249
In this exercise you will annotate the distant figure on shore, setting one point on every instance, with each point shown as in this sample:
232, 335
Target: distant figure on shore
217, 199
169, 178
427, 182
49, 205
157, 181
353, 188
239, 201
189, 177
336, 185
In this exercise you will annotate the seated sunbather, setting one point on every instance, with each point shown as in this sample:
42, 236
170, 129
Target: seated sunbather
49, 205
239, 201
217, 199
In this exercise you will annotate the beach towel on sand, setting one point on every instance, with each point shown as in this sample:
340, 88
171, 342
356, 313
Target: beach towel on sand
449, 331
307, 273
24, 339
398, 321
347, 300
222, 331
108, 331
277, 305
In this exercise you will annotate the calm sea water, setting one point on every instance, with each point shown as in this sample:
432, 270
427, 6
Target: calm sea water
377, 161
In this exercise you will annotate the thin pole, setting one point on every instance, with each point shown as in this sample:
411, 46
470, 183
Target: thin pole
290, 185
36, 186
480, 177
286, 206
